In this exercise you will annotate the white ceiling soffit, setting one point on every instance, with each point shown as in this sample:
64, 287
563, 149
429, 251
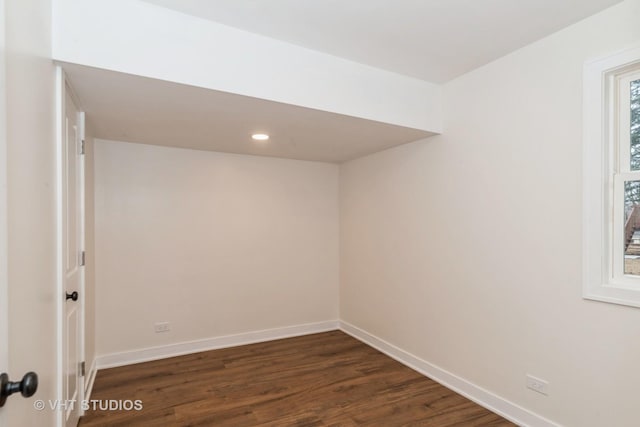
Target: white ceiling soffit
124, 107
433, 40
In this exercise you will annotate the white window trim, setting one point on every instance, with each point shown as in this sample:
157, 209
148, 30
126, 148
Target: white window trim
600, 132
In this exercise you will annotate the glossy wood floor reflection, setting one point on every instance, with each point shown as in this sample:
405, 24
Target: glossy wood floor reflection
327, 379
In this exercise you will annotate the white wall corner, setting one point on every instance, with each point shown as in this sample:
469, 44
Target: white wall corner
477, 394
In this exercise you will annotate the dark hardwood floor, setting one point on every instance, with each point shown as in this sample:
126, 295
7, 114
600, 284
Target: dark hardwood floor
328, 379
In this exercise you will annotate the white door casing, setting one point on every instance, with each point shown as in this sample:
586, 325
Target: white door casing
4, 286
70, 258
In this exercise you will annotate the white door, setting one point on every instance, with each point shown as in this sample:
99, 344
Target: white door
72, 259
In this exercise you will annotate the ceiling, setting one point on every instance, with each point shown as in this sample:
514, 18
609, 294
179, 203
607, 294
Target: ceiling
124, 107
433, 40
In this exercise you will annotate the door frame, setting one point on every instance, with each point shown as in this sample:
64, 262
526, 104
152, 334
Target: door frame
62, 89
4, 276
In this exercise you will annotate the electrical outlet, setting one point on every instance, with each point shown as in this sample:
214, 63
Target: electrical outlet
536, 384
161, 327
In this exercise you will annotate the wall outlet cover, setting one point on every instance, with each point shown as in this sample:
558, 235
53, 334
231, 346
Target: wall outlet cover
538, 385
161, 327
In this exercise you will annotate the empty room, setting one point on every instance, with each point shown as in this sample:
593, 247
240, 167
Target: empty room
319, 213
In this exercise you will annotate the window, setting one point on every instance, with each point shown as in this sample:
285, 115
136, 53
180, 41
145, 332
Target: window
612, 178
628, 175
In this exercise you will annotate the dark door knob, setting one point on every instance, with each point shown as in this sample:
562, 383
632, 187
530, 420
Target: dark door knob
27, 387
72, 296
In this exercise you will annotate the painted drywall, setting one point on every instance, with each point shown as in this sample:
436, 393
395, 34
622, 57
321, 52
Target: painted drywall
90, 261
216, 244
160, 43
31, 197
465, 250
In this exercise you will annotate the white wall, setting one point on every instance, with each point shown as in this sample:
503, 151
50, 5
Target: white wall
465, 249
216, 244
155, 42
31, 185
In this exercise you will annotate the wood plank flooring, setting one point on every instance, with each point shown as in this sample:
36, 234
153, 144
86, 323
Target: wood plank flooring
327, 379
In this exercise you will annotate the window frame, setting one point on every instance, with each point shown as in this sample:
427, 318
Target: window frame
606, 168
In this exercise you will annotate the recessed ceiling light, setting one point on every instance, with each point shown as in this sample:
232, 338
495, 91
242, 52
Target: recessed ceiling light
260, 136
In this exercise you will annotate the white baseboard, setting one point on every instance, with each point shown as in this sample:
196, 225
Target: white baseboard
179, 349
90, 378
485, 398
